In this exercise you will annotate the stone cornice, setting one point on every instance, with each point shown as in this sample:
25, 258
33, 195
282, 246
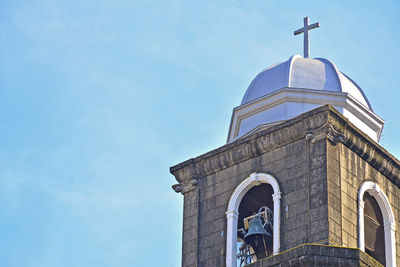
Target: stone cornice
250, 146
323, 122
366, 148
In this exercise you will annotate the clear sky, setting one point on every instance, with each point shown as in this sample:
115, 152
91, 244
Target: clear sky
98, 98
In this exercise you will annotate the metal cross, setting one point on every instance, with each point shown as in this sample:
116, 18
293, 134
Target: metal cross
305, 29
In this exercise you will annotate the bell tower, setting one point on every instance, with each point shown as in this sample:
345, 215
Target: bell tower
301, 180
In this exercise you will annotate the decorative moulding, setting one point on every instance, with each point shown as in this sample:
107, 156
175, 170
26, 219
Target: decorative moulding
294, 129
294, 101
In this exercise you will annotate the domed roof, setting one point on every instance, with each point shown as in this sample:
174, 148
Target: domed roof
299, 72
286, 90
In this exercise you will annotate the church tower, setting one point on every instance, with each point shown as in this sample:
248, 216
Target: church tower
301, 181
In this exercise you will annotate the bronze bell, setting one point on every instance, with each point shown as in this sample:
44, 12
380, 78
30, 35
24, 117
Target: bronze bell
258, 238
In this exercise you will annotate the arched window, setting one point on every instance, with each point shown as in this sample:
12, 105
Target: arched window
375, 217
373, 225
233, 213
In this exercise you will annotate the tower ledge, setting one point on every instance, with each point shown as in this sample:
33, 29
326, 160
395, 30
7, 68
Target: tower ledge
323, 122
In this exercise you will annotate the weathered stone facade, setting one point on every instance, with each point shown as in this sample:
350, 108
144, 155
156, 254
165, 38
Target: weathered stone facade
319, 255
319, 160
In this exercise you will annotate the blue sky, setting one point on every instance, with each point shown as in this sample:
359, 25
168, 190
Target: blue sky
99, 98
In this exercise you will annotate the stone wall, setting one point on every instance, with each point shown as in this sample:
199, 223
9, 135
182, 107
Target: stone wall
319, 160
346, 172
319, 255
302, 179
190, 229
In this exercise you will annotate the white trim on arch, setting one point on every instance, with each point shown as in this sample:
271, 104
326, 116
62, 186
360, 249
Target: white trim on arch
388, 220
232, 213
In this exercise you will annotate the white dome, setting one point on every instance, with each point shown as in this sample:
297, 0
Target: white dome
286, 90
299, 72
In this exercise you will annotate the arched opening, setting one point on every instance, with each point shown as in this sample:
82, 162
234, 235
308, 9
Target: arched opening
257, 197
258, 190
373, 229
376, 232
254, 240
